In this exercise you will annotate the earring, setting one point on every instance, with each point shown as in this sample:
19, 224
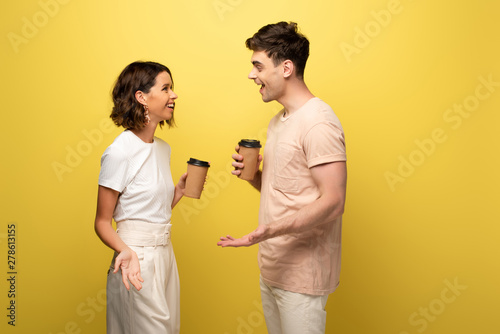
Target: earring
147, 119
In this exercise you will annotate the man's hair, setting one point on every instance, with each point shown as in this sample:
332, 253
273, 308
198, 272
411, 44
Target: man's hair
140, 75
282, 41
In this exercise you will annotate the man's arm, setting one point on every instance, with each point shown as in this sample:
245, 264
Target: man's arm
331, 179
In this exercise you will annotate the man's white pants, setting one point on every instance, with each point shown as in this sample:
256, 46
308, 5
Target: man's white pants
289, 312
156, 307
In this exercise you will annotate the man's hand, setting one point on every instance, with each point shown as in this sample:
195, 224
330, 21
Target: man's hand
260, 234
238, 164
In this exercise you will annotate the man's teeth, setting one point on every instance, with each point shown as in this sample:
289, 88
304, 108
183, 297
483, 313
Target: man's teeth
171, 105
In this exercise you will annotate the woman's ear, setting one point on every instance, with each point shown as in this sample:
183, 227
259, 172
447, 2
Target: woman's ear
139, 96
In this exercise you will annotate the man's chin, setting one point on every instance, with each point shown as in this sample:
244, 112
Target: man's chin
265, 99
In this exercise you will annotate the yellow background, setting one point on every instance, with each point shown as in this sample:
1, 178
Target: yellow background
404, 242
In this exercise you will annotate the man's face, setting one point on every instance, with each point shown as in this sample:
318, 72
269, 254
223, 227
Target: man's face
267, 75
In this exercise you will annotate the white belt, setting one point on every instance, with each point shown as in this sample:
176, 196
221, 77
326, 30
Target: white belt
135, 233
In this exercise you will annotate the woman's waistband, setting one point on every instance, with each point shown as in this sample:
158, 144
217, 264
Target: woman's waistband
138, 233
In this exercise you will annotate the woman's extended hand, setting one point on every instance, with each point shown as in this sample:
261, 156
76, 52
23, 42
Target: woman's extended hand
128, 262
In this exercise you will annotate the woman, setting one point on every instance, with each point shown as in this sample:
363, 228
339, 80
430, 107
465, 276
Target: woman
137, 191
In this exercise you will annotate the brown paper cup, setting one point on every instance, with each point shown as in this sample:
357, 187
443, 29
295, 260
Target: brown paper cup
197, 172
249, 149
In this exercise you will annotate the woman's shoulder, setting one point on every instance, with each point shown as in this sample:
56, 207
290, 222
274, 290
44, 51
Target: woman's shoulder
162, 144
118, 148
124, 139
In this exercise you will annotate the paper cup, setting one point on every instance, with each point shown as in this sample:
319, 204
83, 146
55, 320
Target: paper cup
197, 172
249, 149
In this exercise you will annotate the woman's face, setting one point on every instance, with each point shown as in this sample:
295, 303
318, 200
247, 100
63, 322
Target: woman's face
161, 99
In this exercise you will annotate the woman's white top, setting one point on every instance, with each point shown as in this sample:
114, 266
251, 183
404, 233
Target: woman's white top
140, 172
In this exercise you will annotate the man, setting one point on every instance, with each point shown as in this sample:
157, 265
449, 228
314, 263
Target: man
302, 185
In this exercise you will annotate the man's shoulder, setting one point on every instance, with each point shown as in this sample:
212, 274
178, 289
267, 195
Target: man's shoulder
318, 106
317, 111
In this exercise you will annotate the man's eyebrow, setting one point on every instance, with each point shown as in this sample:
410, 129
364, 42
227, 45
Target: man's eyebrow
256, 62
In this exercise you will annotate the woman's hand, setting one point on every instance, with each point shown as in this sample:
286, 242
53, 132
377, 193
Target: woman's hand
128, 262
181, 185
179, 189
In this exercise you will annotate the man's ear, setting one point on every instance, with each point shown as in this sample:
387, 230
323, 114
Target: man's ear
288, 68
139, 96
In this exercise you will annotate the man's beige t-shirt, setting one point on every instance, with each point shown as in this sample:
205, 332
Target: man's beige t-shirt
307, 262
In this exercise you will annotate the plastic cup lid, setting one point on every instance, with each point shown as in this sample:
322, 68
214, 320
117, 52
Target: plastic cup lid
199, 163
252, 143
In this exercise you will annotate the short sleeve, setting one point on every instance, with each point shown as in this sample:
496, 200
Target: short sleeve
114, 167
324, 143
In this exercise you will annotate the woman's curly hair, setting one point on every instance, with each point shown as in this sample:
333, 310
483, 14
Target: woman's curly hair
139, 75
